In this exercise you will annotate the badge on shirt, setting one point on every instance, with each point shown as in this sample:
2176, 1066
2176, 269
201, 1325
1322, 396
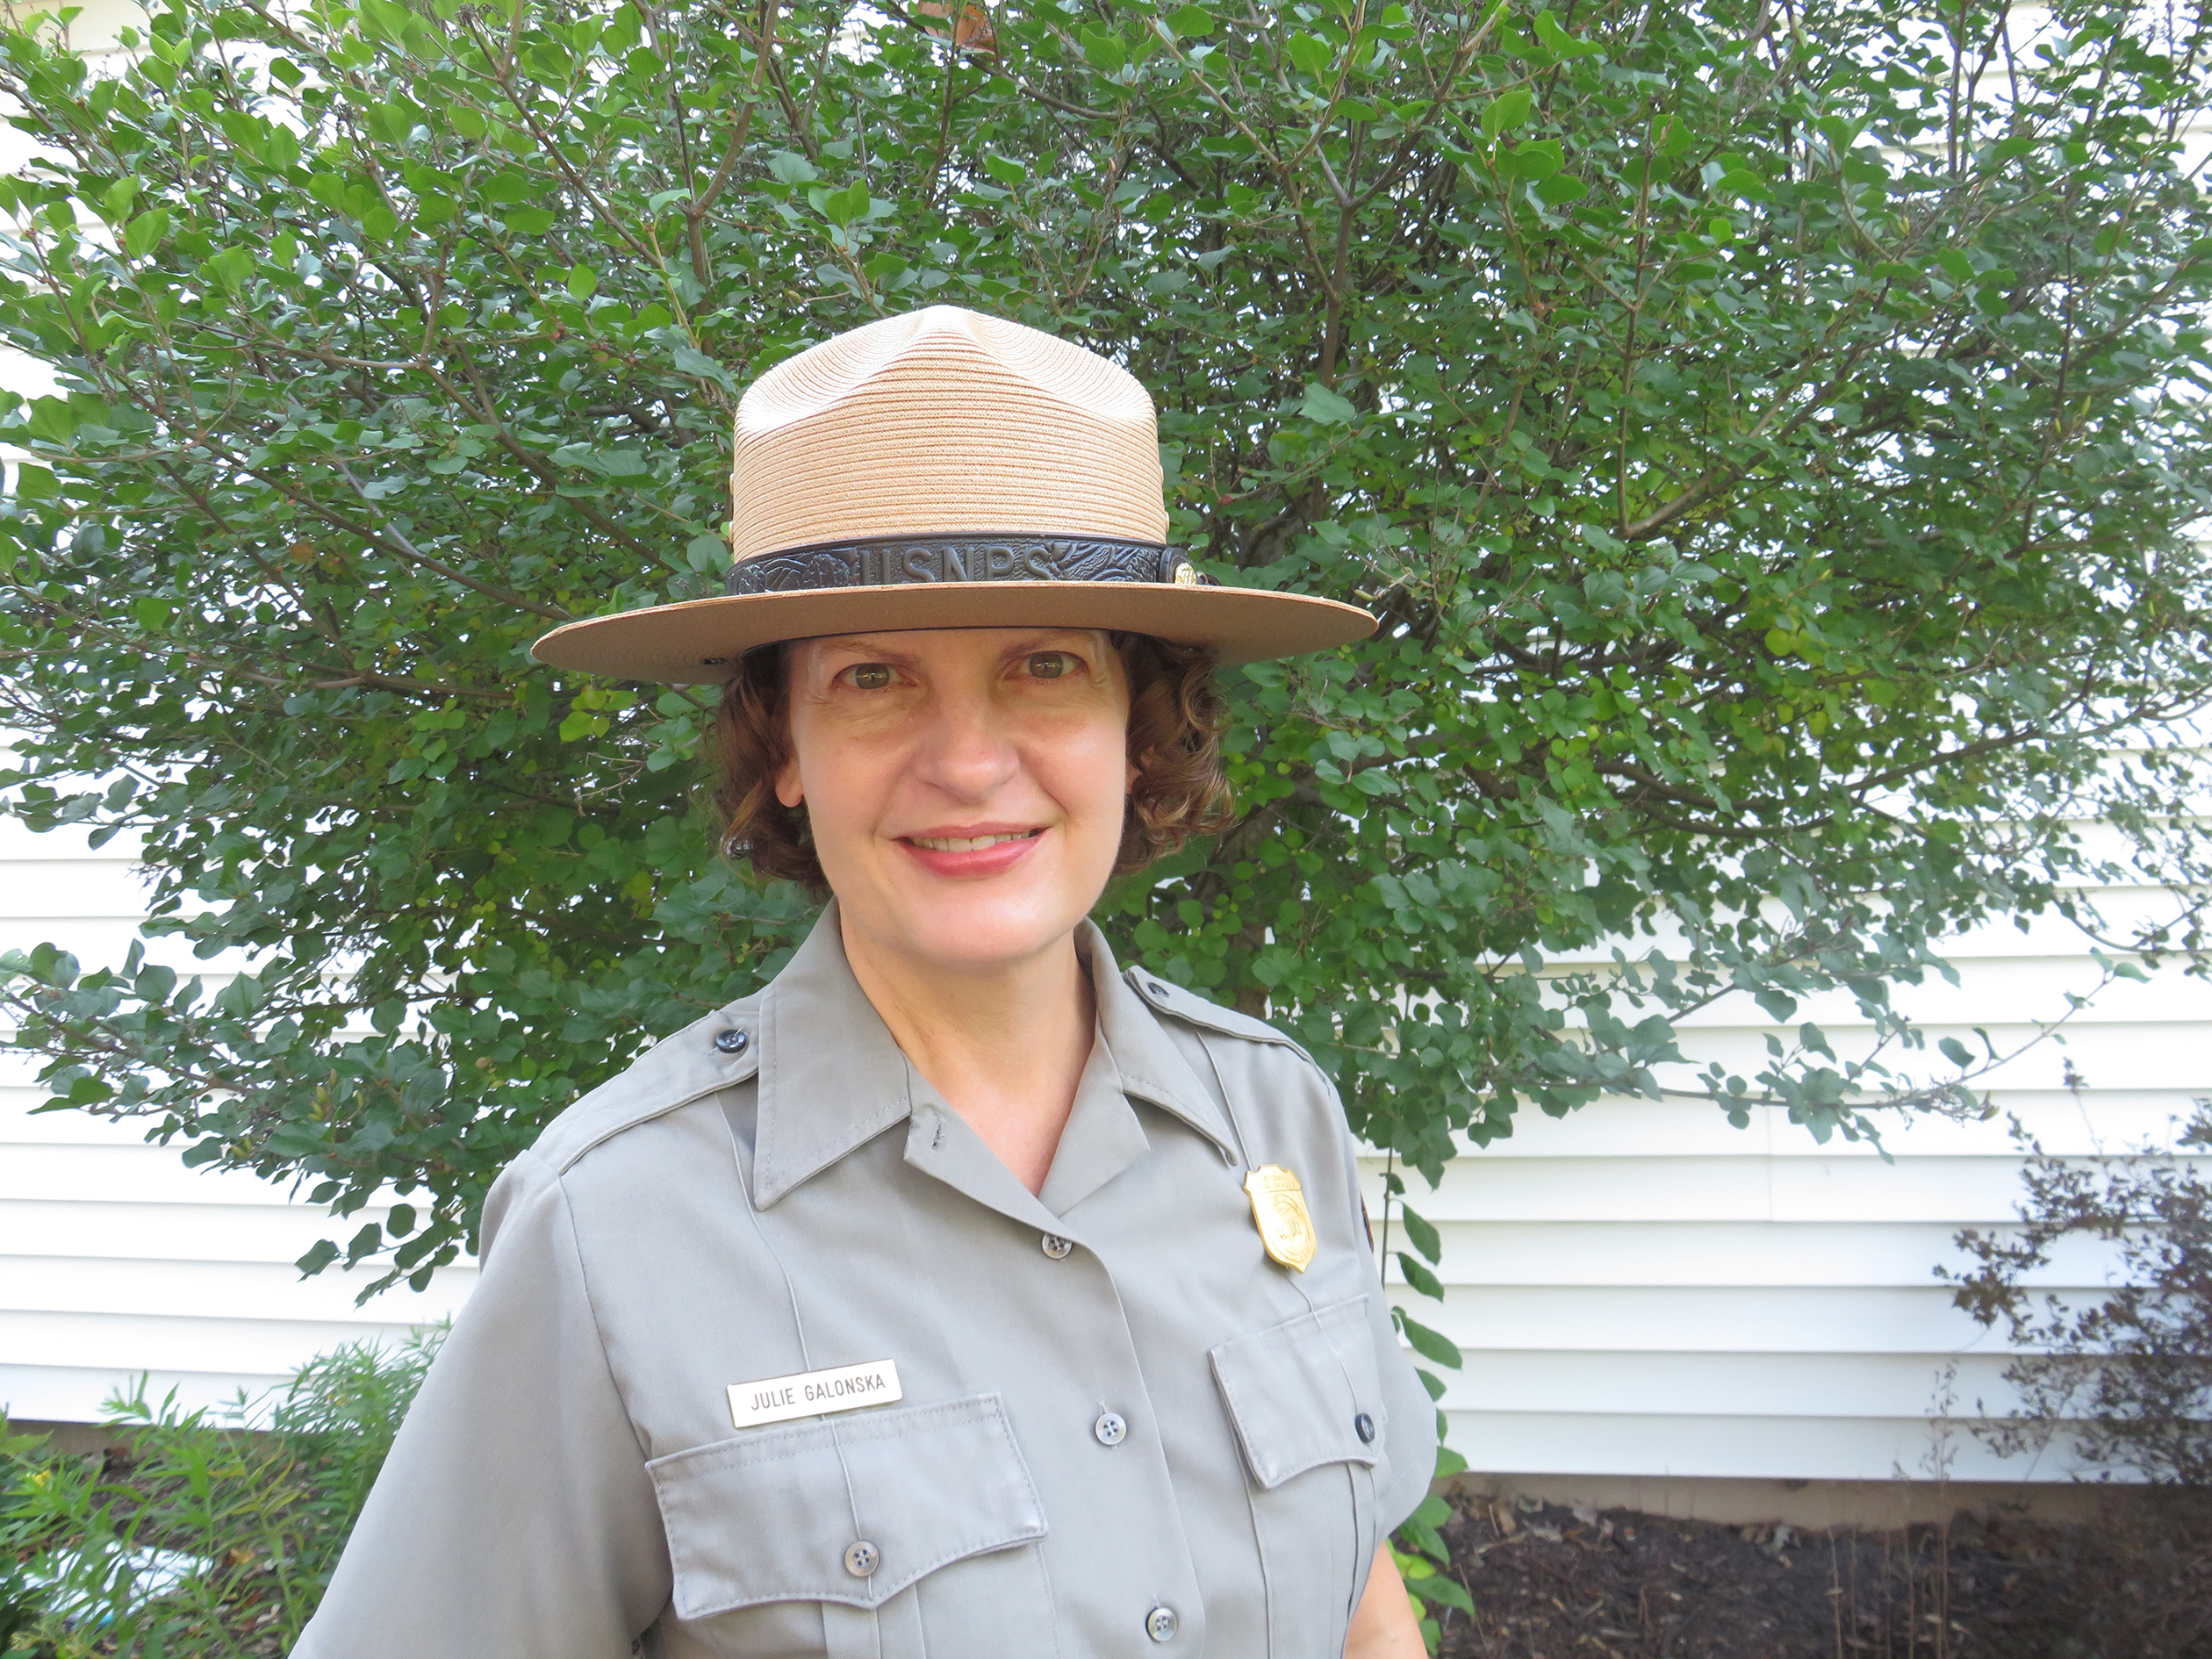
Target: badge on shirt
1279, 1210
778, 1399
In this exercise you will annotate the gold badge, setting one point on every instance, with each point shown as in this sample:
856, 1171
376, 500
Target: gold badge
1279, 1210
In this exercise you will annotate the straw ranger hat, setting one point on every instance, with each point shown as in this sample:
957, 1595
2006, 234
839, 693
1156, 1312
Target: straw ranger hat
947, 469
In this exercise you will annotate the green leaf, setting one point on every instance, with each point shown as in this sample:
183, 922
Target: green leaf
1537, 158
841, 207
1419, 1277
1956, 1052
1432, 1346
1309, 55
690, 360
1327, 407
791, 168
141, 234
1189, 22
1557, 41
1424, 1236
1444, 1587
319, 1256
1560, 189
583, 281
1104, 52
1508, 111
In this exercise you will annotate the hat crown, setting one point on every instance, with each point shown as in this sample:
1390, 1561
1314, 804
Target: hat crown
944, 422
925, 343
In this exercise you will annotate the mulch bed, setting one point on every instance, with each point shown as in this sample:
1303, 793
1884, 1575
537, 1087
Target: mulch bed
1563, 1583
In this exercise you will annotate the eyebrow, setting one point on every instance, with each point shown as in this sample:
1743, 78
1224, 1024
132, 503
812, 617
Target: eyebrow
872, 650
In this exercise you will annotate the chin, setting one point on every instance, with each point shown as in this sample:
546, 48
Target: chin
967, 928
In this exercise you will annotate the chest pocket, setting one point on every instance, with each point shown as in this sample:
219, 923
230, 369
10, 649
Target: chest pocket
1306, 1399
833, 1536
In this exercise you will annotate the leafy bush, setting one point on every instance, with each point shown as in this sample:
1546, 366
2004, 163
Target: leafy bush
1769, 434
206, 1533
2123, 1381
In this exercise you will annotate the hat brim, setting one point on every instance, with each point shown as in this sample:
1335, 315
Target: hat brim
698, 641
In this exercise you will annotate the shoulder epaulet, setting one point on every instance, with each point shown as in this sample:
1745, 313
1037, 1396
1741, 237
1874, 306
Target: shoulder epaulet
1196, 1010
705, 1055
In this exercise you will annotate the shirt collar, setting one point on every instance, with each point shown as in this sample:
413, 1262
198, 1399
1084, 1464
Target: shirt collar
832, 1080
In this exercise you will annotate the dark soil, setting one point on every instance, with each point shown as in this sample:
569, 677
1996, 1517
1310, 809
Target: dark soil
1558, 1584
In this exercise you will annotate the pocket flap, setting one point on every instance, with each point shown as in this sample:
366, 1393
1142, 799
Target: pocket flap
1298, 1391
767, 1517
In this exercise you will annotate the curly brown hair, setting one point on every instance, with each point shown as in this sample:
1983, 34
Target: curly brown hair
1175, 719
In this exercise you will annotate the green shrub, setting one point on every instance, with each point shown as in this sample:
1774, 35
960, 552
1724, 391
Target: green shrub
198, 1533
1771, 434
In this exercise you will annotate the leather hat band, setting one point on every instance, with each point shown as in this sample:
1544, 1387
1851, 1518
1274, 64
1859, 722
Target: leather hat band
898, 561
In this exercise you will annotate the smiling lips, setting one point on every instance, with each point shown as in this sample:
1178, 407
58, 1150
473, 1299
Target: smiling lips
986, 853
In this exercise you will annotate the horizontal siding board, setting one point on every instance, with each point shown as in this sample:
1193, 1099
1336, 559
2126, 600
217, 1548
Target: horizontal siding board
1808, 1447
1597, 1383
1962, 1190
127, 1343
76, 1393
74, 890
1714, 1321
1724, 1254
202, 1288
139, 1174
272, 1234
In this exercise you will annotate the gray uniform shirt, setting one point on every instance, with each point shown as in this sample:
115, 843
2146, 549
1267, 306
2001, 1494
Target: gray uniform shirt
1122, 1429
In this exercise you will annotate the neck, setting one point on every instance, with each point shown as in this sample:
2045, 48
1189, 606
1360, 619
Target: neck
1005, 1044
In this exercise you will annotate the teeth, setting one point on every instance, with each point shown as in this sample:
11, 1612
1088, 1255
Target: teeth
966, 844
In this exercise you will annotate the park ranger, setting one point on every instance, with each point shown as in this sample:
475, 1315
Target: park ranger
959, 1293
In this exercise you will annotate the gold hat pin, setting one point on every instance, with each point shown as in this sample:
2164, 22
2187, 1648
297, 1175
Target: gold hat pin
1279, 1210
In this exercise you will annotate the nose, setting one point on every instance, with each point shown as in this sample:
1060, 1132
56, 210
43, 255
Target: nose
969, 750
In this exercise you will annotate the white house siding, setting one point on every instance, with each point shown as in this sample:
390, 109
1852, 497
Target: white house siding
116, 1259
1644, 1296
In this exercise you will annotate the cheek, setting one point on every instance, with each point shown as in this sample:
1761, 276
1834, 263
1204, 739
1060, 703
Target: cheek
1084, 764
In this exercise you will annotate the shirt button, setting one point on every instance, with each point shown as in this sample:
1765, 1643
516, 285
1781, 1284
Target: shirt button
1056, 1247
1363, 1425
862, 1558
732, 1041
1160, 1623
1111, 1430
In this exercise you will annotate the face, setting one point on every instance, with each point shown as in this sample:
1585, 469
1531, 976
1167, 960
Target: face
964, 786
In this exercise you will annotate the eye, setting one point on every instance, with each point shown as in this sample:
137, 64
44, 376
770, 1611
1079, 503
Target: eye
868, 676
1050, 664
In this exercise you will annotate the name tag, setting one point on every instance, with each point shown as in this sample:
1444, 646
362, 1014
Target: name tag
814, 1393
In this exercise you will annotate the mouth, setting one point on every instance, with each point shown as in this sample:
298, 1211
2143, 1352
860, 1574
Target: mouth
969, 843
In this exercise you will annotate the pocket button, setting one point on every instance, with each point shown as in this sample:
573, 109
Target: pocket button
1160, 1623
1057, 1247
1110, 1428
862, 1558
1363, 1425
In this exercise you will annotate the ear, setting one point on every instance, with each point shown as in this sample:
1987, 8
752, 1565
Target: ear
789, 790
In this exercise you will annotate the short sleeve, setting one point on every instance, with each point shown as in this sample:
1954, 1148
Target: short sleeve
514, 1516
1411, 1441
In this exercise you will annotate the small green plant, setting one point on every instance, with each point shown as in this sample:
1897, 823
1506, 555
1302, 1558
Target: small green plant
200, 1532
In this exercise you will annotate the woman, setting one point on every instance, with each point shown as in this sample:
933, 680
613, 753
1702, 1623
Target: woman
958, 1294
